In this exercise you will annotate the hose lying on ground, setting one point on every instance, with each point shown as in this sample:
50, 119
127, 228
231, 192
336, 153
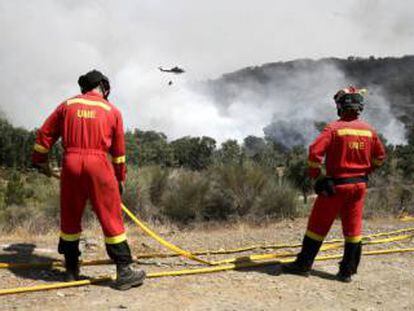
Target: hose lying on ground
219, 268
328, 245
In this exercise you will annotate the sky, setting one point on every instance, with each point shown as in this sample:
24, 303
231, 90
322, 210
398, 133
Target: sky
46, 44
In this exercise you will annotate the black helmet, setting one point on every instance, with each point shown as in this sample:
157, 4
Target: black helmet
92, 79
350, 98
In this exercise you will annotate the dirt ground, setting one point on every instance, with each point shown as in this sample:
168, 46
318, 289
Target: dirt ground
384, 282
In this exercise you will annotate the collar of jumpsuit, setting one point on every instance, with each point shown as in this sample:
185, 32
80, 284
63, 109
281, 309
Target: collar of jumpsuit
350, 117
94, 94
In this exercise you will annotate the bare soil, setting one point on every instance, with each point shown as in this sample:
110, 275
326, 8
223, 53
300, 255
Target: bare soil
384, 282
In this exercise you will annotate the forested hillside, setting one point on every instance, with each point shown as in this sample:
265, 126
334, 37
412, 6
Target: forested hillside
393, 75
301, 91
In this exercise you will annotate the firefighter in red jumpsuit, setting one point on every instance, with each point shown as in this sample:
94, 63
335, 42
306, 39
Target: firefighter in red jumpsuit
91, 128
352, 150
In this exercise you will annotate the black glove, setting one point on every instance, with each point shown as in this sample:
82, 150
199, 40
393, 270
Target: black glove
325, 186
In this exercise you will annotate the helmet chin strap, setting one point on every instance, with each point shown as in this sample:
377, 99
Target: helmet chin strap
348, 109
350, 112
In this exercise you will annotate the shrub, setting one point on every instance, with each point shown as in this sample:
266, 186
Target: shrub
185, 196
277, 201
243, 183
219, 203
395, 199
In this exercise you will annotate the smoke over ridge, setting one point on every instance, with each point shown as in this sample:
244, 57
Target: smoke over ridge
291, 97
47, 44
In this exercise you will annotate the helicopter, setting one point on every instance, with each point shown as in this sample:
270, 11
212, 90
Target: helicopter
175, 70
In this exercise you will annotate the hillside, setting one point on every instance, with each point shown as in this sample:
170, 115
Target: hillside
302, 90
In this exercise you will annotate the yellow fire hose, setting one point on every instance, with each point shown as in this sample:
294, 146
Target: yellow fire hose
264, 246
230, 264
328, 245
160, 240
407, 218
156, 237
193, 256
177, 250
325, 247
149, 232
233, 266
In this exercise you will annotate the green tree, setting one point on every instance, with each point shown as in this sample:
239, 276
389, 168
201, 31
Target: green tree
254, 148
148, 148
194, 153
297, 171
230, 152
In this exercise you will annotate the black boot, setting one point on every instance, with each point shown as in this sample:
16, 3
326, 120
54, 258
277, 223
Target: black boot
126, 277
72, 269
304, 261
70, 249
350, 261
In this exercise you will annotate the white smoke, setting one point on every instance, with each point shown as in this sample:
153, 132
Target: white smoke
378, 113
293, 101
47, 44
174, 109
290, 106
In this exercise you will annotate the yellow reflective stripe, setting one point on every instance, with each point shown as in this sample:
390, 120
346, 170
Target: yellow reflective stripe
377, 162
312, 164
116, 239
118, 160
88, 102
354, 132
40, 148
314, 236
70, 237
353, 239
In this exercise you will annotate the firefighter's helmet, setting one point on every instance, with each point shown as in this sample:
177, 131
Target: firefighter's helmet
92, 79
350, 98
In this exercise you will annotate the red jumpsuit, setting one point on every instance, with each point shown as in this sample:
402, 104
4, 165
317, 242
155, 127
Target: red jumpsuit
90, 127
351, 148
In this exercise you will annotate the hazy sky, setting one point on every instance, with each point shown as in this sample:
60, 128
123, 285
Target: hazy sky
46, 45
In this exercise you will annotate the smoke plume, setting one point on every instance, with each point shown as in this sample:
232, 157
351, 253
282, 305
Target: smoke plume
47, 44
291, 97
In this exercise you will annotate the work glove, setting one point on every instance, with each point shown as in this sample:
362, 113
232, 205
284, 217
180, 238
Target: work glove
325, 186
121, 186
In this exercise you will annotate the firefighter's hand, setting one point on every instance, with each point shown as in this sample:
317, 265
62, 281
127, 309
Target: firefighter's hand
44, 168
121, 186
